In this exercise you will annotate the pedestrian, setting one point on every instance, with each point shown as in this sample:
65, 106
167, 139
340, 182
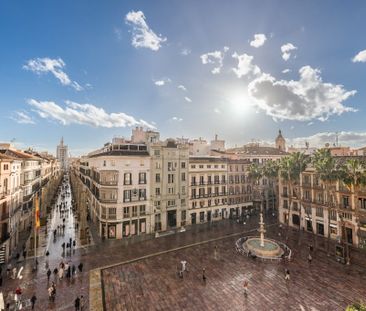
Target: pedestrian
74, 243
14, 271
61, 273
50, 293
54, 234
8, 270
311, 247
63, 228
77, 304
69, 271
73, 270
1, 280
287, 274
48, 275
82, 303
184, 264
204, 275
24, 253
63, 246
55, 272
33, 300
80, 267
70, 241
245, 285
310, 258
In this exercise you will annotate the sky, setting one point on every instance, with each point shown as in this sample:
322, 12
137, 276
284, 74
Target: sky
90, 70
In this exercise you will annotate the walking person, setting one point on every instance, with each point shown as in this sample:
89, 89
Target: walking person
310, 258
48, 274
204, 275
245, 286
73, 270
77, 304
80, 267
33, 300
287, 274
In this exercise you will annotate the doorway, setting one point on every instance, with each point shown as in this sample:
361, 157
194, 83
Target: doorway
349, 236
172, 218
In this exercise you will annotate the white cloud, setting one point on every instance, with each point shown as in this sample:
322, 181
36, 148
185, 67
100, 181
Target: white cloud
54, 66
286, 50
188, 99
360, 57
286, 70
216, 58
22, 118
345, 138
177, 119
162, 81
142, 35
245, 66
217, 110
85, 114
303, 100
182, 87
185, 51
258, 40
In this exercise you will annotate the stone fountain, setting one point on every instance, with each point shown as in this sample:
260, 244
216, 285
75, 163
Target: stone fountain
262, 247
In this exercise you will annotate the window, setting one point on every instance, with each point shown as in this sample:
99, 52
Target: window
183, 202
171, 190
6, 167
170, 203
170, 178
184, 215
183, 176
183, 165
104, 163
104, 212
345, 200
193, 180
142, 210
308, 210
209, 180
170, 166
201, 192
134, 211
157, 165
142, 178
157, 191
193, 193
333, 230
217, 179
193, 166
156, 152
127, 179
319, 212
201, 166
333, 215
208, 166
126, 212
142, 194
183, 189
223, 179
112, 213
157, 204
202, 181
222, 166
216, 166
126, 195
362, 203
157, 178
285, 204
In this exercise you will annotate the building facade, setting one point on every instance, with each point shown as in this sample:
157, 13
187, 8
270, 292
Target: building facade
335, 212
62, 154
169, 184
208, 182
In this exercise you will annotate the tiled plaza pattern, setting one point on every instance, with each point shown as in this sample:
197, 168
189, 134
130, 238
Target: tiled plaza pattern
153, 284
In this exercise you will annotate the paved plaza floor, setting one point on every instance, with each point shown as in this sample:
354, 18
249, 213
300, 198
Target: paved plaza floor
153, 283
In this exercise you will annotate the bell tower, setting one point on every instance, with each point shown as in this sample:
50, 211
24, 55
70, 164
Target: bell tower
280, 142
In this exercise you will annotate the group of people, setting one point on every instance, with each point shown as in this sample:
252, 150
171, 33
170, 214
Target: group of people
64, 269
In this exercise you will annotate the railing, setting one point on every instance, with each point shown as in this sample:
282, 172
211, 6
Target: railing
108, 183
107, 200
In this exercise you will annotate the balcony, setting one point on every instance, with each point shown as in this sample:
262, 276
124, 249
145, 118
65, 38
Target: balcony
308, 200
306, 184
109, 200
108, 183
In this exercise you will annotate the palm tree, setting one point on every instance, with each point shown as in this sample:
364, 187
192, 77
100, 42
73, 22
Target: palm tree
353, 175
290, 170
328, 172
270, 170
255, 174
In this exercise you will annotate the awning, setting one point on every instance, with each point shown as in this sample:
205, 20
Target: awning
333, 226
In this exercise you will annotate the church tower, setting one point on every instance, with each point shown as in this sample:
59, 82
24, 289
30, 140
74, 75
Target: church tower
280, 142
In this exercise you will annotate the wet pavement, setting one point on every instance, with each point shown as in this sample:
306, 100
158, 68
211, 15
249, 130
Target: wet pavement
158, 288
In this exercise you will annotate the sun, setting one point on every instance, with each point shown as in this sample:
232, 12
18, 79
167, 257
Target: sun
239, 103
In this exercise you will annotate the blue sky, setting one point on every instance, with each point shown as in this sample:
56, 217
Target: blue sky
91, 70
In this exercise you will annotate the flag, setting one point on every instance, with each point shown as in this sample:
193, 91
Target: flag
37, 220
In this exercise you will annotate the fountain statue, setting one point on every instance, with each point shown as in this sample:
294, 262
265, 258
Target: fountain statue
261, 229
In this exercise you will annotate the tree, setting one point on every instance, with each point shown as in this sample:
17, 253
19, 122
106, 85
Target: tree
357, 306
290, 170
328, 172
255, 174
270, 170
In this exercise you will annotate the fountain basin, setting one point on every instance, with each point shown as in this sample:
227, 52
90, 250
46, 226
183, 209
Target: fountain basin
270, 248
